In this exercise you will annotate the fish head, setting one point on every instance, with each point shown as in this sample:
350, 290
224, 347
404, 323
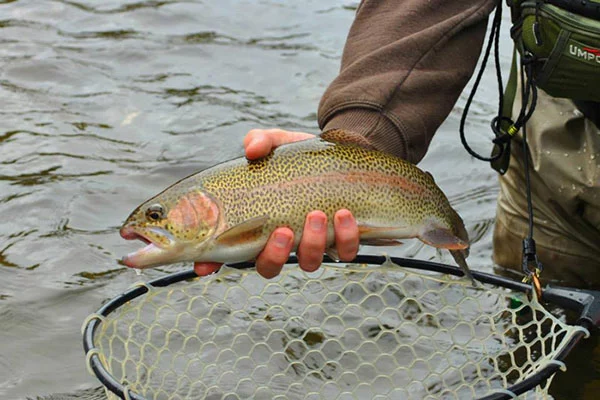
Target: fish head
174, 225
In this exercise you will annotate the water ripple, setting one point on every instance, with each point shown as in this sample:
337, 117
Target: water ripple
118, 34
21, 23
268, 43
46, 176
121, 9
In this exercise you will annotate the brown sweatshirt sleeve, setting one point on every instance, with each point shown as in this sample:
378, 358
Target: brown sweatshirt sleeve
404, 65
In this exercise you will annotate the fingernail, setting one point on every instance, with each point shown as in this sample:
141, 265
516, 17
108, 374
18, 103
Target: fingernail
282, 240
316, 223
345, 220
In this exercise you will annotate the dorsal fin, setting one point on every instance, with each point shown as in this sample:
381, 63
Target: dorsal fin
346, 137
431, 176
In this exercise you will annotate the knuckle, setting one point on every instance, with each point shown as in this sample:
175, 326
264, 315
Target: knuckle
310, 254
346, 238
312, 243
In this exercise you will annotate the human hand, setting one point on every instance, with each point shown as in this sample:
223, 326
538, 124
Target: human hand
312, 244
258, 143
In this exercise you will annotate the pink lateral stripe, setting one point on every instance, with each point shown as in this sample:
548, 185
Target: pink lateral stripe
373, 178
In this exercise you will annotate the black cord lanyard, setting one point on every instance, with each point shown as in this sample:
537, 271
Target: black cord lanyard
505, 129
530, 263
494, 39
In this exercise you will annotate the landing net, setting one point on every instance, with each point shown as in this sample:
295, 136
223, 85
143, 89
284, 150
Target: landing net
352, 331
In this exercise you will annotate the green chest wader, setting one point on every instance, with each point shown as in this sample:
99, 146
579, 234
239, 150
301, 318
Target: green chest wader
558, 43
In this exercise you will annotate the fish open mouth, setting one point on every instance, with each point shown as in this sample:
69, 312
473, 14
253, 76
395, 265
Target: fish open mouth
148, 256
128, 233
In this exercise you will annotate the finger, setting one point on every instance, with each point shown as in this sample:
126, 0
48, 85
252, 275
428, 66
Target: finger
259, 142
276, 252
346, 235
314, 238
203, 269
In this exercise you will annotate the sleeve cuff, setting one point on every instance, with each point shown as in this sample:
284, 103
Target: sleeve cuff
378, 129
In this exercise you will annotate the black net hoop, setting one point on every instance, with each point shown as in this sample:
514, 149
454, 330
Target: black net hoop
582, 302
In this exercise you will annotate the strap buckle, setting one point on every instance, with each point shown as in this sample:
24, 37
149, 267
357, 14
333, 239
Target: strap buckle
531, 266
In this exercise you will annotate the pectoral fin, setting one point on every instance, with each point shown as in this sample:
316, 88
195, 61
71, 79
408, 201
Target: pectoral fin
245, 232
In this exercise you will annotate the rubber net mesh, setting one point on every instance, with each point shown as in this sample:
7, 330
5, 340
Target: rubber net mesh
353, 332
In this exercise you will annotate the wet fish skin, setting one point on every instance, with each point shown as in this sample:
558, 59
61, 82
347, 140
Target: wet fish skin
226, 213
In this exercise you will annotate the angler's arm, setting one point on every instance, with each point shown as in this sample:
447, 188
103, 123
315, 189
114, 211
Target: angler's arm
403, 68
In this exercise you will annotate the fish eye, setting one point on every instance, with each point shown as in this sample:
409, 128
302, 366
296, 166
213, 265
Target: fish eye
155, 212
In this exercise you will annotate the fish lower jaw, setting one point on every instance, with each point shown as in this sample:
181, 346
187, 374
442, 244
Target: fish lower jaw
152, 256
138, 258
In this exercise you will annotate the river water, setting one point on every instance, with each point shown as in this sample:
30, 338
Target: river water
105, 103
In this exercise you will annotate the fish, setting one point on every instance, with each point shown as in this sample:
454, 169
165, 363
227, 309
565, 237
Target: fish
226, 213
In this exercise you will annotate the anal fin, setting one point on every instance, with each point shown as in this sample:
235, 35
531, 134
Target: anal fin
443, 238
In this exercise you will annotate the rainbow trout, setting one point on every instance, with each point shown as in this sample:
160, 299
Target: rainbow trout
226, 213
